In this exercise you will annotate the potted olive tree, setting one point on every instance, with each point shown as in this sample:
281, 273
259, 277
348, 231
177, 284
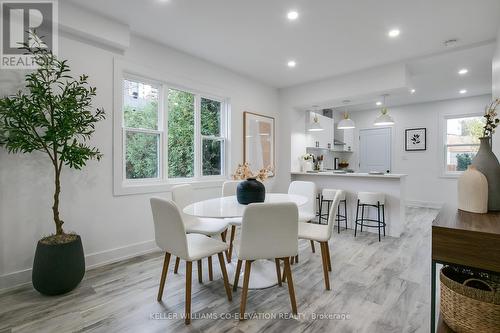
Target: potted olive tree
53, 115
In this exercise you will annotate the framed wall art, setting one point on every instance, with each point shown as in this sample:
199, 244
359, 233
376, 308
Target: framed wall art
415, 139
258, 141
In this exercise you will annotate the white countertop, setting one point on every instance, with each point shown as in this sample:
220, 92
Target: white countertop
354, 174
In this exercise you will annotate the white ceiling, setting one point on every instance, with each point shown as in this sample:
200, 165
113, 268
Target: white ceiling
436, 78
330, 37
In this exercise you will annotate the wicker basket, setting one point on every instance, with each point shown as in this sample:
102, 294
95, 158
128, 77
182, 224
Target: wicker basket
470, 309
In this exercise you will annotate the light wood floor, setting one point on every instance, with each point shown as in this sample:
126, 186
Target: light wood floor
382, 287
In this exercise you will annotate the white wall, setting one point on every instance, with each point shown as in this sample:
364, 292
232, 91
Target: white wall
496, 69
425, 185
496, 86
111, 227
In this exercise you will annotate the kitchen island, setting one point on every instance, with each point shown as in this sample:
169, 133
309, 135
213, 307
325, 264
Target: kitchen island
393, 185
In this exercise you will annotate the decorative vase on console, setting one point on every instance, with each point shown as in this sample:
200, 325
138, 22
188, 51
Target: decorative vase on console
473, 191
485, 160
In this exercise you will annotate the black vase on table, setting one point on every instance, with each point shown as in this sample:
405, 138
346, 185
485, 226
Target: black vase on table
250, 191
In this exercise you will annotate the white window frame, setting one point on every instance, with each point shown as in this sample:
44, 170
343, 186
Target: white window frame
222, 137
444, 145
123, 186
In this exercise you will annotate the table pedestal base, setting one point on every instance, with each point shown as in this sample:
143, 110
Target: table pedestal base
262, 274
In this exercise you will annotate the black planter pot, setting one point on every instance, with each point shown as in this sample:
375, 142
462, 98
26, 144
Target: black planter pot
250, 191
58, 268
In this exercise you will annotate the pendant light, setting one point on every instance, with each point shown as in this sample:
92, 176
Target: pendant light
347, 122
315, 126
384, 119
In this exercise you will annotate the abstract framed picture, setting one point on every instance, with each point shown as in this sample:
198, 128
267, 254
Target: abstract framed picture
258, 141
415, 139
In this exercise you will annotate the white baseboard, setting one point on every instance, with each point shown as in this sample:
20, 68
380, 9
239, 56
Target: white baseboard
16, 279
424, 204
98, 259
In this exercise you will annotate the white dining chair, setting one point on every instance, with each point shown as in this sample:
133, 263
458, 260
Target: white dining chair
183, 195
322, 233
268, 231
229, 189
307, 212
171, 237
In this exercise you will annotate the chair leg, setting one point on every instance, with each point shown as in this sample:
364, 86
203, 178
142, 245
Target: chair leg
383, 216
244, 292
356, 221
297, 258
278, 271
210, 269
312, 247
325, 265
320, 203
163, 276
176, 267
362, 216
237, 275
378, 219
292, 260
223, 237
345, 212
187, 310
329, 260
328, 204
200, 277
338, 219
224, 276
231, 240
291, 290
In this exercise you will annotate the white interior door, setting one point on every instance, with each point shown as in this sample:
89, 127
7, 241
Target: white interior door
375, 150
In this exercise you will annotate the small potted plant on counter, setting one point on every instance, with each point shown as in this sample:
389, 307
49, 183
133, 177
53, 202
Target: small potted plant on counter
307, 162
53, 115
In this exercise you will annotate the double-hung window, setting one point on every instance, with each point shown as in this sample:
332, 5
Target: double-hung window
461, 142
170, 134
142, 129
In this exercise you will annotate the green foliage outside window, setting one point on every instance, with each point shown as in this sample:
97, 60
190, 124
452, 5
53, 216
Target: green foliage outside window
473, 128
211, 148
142, 149
463, 161
141, 154
180, 134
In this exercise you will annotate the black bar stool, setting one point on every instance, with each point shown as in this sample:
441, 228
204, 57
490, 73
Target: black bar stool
370, 199
318, 204
328, 195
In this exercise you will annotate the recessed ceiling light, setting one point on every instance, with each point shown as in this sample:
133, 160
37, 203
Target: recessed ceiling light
463, 91
292, 15
379, 103
393, 33
291, 63
412, 91
463, 71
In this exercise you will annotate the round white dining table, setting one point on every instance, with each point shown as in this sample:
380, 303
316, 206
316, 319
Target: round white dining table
263, 273
229, 207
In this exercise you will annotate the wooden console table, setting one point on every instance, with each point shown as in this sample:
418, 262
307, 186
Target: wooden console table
464, 239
